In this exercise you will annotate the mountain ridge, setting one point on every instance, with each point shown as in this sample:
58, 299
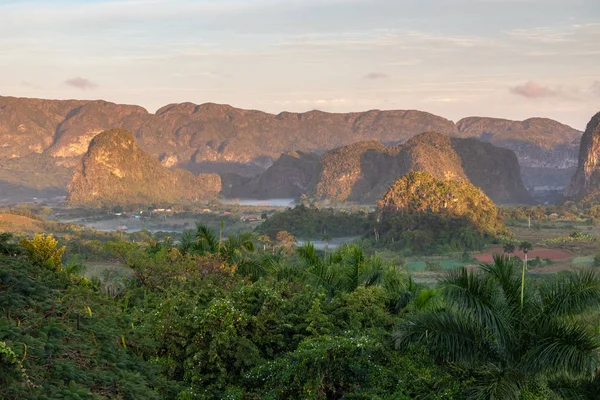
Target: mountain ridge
220, 138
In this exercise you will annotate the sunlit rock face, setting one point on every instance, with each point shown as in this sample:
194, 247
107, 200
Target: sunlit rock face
115, 171
586, 180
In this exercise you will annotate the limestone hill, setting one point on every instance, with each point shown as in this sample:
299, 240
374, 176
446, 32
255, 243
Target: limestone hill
586, 181
429, 214
115, 171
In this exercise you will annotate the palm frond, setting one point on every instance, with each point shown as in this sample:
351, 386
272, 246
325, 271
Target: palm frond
252, 268
495, 383
448, 334
564, 349
504, 271
206, 240
308, 254
571, 295
477, 293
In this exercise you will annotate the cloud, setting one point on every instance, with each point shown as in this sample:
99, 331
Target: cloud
533, 90
376, 76
80, 83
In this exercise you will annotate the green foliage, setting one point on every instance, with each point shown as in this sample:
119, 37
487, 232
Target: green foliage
511, 345
8, 246
67, 340
311, 223
212, 318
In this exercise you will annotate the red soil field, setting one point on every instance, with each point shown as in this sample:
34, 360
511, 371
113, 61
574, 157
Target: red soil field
552, 254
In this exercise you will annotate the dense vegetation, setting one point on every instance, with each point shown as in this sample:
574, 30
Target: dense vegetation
218, 318
315, 223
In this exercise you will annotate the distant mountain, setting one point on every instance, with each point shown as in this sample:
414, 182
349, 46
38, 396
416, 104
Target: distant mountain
224, 139
362, 172
546, 149
115, 171
586, 181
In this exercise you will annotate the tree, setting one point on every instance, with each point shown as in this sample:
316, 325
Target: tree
43, 250
525, 247
483, 328
232, 251
509, 248
265, 240
285, 238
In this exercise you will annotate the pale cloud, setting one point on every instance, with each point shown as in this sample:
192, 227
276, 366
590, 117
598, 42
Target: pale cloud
533, 90
376, 76
80, 83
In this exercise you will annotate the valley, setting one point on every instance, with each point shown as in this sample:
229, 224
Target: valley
137, 267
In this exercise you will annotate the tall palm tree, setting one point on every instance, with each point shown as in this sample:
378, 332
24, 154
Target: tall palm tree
525, 247
482, 328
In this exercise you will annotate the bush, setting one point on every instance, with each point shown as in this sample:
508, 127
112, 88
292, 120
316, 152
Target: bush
43, 250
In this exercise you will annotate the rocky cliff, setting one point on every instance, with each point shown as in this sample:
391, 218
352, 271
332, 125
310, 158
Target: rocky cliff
220, 138
115, 171
586, 181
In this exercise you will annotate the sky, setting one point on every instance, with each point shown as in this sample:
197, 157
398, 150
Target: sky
455, 58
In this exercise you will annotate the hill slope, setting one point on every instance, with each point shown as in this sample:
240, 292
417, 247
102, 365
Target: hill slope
115, 170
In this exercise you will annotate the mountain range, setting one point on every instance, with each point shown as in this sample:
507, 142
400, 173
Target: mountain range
42, 141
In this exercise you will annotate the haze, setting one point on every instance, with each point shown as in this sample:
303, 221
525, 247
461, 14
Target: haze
504, 58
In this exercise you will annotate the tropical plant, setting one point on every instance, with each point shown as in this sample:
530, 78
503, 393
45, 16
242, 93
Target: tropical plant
510, 346
344, 270
233, 250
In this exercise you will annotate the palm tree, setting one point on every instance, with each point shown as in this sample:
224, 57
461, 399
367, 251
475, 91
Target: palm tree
344, 270
233, 251
482, 327
525, 247
509, 248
